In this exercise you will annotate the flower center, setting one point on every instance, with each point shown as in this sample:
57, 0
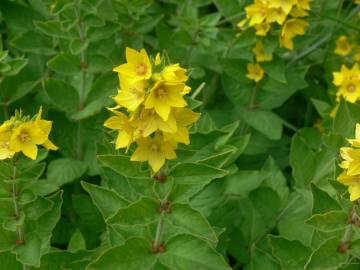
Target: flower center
137, 91
24, 137
154, 148
141, 69
351, 88
161, 93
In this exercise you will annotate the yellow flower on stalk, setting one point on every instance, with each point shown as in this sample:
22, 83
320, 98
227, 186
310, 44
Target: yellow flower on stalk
138, 66
5, 151
351, 160
276, 15
131, 94
25, 138
45, 126
285, 5
262, 29
163, 97
257, 12
154, 150
353, 183
348, 83
174, 74
150, 121
343, 46
291, 29
184, 117
259, 52
255, 72
121, 123
303, 4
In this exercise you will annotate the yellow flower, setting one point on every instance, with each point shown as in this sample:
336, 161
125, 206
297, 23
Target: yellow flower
138, 66
259, 52
353, 183
343, 46
150, 121
25, 138
257, 12
163, 97
351, 160
5, 151
121, 123
348, 83
154, 150
298, 12
276, 15
45, 126
184, 118
255, 72
285, 5
262, 29
303, 4
357, 1
174, 74
291, 29
131, 94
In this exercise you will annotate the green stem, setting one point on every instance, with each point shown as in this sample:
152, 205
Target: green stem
159, 231
17, 210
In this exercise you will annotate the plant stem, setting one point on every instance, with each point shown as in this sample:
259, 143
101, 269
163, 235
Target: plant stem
17, 210
159, 231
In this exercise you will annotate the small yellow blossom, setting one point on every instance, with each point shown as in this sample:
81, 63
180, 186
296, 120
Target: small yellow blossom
163, 97
131, 94
343, 46
353, 183
184, 117
285, 5
257, 12
303, 4
150, 121
5, 151
259, 52
121, 123
276, 15
255, 72
262, 29
45, 126
26, 137
154, 150
138, 66
348, 83
291, 29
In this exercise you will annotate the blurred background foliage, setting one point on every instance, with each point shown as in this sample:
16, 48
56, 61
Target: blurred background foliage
60, 54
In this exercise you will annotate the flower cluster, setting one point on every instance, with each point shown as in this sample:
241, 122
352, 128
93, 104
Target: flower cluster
344, 47
264, 14
151, 109
351, 165
24, 134
348, 83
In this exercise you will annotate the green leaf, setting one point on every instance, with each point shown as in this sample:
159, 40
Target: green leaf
142, 212
7, 240
65, 63
65, 170
188, 252
193, 173
107, 201
192, 221
63, 96
291, 254
99, 63
346, 118
77, 45
323, 202
123, 166
8, 259
135, 254
330, 221
242, 182
275, 69
77, 242
33, 42
327, 256
52, 28
266, 122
